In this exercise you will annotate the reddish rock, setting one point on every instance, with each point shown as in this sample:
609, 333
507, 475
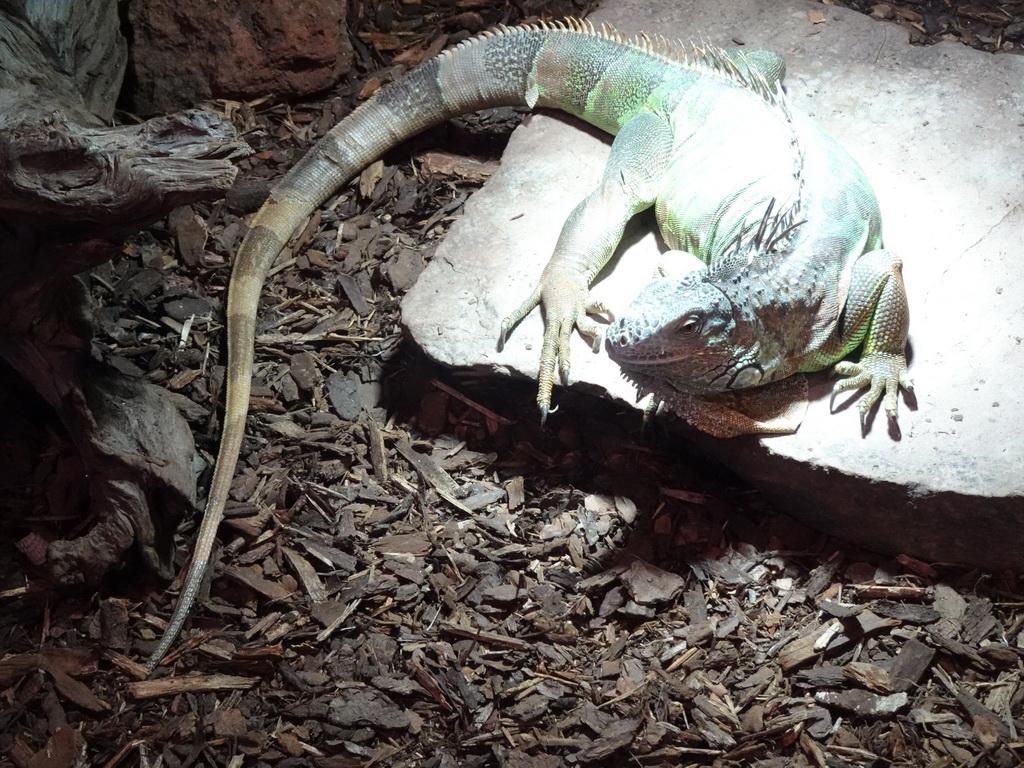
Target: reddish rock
185, 51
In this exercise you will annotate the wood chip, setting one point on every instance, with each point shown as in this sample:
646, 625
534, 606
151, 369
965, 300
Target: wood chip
863, 703
870, 676
172, 686
450, 164
432, 474
911, 662
307, 575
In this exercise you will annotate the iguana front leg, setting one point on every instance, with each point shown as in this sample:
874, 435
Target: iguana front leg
877, 311
638, 161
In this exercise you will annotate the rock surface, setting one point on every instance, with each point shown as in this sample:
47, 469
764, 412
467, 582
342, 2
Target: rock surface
186, 51
938, 132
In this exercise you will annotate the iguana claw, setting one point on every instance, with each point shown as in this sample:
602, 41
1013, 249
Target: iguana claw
882, 372
565, 302
544, 411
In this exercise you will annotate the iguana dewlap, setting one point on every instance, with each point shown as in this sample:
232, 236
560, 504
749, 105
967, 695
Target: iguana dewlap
782, 217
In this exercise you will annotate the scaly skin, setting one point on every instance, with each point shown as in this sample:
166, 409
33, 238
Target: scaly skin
675, 117
774, 304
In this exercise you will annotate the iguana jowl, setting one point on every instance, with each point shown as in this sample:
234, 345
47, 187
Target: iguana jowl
708, 139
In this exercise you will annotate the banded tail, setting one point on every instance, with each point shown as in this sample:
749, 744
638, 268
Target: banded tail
557, 65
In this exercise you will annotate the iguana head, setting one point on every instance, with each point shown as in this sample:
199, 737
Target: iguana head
684, 334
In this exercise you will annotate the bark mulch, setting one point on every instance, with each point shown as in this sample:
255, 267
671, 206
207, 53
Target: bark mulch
415, 573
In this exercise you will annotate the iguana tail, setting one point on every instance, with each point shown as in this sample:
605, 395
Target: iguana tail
548, 65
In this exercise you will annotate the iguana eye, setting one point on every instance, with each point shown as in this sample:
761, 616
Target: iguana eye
690, 325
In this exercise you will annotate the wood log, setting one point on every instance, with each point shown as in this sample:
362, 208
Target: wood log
72, 188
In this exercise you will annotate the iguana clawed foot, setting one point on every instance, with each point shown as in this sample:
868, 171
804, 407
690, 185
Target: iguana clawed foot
565, 302
882, 372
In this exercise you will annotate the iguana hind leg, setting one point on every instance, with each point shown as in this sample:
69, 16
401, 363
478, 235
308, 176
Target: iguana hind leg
877, 311
639, 157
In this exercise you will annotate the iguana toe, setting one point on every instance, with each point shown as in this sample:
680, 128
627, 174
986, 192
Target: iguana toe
554, 356
883, 373
591, 329
513, 318
564, 299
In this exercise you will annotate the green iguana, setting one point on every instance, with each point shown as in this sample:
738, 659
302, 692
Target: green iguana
782, 216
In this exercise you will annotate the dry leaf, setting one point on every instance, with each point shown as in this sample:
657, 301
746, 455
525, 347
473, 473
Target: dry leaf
368, 178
